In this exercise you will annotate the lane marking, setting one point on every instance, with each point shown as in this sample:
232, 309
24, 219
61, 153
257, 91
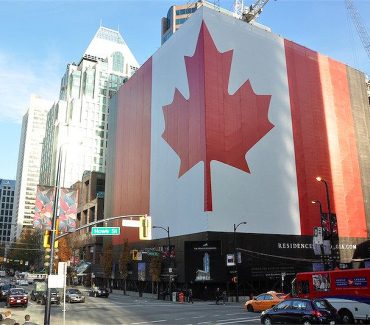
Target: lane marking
238, 320
150, 322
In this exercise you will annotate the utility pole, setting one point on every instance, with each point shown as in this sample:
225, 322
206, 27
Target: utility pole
236, 260
168, 257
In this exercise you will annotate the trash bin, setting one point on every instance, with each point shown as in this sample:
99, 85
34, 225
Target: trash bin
174, 295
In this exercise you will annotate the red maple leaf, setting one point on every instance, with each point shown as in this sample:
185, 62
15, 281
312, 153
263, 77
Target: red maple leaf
212, 124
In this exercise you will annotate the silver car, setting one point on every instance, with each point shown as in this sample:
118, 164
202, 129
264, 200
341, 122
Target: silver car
74, 295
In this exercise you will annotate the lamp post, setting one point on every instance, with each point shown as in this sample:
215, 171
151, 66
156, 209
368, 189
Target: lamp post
321, 216
235, 260
320, 179
320, 205
52, 237
169, 254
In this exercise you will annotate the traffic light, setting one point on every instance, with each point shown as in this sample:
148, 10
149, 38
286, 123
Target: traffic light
145, 228
47, 239
334, 225
134, 254
56, 244
234, 279
325, 226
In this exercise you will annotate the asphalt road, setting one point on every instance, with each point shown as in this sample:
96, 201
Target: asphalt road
127, 310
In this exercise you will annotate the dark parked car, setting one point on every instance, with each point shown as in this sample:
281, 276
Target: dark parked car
4, 289
301, 311
17, 297
99, 292
40, 296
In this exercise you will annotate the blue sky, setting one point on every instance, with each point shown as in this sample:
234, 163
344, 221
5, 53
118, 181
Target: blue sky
39, 38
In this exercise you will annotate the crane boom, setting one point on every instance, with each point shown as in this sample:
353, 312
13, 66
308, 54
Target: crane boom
362, 32
252, 12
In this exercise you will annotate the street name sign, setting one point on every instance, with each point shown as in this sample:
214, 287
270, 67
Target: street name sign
105, 231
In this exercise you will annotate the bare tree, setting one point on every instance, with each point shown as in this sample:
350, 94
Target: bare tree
64, 249
124, 259
107, 261
155, 270
27, 248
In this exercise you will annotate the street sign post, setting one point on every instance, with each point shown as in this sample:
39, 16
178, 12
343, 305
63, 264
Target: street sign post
105, 231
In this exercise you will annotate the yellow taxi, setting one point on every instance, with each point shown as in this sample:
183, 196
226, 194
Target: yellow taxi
264, 301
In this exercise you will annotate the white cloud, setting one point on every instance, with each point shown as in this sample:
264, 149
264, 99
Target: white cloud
22, 77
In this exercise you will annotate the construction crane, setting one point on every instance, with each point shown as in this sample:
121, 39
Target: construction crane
250, 13
362, 32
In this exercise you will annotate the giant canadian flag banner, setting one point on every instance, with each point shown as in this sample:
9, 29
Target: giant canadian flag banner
228, 122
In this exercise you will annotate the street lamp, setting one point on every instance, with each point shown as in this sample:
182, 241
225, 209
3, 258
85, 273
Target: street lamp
320, 205
321, 223
169, 254
320, 179
235, 260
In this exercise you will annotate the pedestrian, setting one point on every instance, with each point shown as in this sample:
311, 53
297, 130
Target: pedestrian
7, 320
224, 297
27, 319
190, 296
205, 292
218, 295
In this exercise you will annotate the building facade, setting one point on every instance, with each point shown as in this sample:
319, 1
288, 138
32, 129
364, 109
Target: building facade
179, 14
77, 125
90, 208
29, 160
235, 131
7, 189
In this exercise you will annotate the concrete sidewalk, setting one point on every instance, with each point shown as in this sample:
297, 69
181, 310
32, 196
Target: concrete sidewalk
154, 296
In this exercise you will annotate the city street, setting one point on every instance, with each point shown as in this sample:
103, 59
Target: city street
120, 309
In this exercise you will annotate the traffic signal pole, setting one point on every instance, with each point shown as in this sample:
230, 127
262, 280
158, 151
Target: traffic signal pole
236, 261
99, 221
54, 238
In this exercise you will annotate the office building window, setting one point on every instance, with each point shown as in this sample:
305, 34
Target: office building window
117, 62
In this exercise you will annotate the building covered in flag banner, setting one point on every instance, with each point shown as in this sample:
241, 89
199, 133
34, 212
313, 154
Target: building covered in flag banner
228, 123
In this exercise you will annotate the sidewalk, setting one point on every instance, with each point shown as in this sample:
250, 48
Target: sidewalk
154, 296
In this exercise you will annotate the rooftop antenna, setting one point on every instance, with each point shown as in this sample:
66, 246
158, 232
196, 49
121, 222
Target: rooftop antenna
118, 28
101, 22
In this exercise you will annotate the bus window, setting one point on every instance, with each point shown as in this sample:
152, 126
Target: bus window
294, 288
321, 282
305, 287
300, 287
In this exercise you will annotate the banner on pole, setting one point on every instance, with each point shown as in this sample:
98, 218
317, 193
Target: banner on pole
68, 200
44, 205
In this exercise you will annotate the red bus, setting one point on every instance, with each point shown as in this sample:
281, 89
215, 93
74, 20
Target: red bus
347, 290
